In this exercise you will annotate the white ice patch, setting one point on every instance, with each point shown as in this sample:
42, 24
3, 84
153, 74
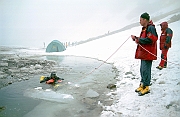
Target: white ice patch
48, 95
38, 88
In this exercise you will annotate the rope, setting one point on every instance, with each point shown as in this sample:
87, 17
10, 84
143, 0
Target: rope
107, 58
115, 53
157, 56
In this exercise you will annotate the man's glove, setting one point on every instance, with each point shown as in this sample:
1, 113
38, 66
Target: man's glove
133, 37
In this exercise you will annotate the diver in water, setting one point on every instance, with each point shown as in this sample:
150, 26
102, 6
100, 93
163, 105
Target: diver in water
52, 79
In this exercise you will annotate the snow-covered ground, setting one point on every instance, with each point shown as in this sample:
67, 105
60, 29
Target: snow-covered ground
164, 99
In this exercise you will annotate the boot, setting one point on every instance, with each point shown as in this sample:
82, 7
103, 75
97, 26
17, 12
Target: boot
144, 91
159, 67
139, 88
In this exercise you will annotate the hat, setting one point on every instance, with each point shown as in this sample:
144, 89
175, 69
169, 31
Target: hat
145, 16
164, 24
53, 74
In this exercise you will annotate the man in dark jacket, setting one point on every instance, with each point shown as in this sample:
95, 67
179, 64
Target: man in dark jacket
146, 51
165, 44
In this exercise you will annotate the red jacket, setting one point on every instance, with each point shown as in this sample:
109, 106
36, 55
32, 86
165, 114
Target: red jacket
166, 36
147, 47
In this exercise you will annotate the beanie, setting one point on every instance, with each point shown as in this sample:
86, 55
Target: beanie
145, 16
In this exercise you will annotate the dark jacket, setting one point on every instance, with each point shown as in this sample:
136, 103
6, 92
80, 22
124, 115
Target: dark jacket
148, 41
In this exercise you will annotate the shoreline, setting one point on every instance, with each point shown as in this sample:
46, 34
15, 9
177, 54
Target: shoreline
16, 68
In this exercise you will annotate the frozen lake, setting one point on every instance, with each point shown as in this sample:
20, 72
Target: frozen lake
72, 98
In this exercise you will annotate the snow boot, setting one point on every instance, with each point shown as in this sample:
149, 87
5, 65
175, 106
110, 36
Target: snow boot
139, 88
145, 90
159, 67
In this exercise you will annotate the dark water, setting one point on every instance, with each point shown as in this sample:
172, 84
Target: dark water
68, 100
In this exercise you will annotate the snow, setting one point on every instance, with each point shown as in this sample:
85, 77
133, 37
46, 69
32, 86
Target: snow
164, 99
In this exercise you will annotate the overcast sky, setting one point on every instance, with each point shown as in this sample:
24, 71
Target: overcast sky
32, 22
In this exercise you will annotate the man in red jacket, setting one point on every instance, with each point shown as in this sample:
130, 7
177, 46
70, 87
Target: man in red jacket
165, 44
146, 51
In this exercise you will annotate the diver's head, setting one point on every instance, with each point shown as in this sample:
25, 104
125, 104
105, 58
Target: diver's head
53, 74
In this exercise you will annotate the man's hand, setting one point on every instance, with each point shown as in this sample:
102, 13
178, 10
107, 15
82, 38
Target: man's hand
133, 37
